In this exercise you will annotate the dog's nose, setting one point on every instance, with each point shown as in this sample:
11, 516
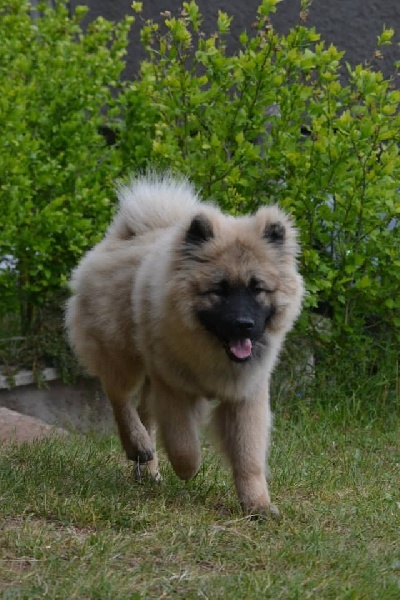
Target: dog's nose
244, 324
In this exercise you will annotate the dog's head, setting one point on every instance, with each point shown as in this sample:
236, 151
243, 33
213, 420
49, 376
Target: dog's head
241, 278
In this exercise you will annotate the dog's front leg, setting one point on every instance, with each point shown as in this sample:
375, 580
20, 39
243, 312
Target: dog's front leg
244, 430
134, 437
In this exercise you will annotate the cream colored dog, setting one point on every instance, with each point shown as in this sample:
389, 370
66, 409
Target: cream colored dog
182, 304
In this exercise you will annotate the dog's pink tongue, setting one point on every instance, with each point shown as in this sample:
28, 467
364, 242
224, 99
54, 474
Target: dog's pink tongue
241, 349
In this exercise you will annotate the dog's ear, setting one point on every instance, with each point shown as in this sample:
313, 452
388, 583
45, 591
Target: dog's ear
200, 231
277, 229
275, 232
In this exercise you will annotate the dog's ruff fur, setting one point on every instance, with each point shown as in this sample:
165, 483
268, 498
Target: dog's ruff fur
158, 308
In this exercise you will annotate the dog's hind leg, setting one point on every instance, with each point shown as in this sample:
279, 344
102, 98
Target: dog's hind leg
147, 418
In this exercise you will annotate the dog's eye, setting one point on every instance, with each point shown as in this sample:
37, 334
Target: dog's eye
258, 287
220, 290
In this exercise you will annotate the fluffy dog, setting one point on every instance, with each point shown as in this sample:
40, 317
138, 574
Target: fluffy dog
183, 304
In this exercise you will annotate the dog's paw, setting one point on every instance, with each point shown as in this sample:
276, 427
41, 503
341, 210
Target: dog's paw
142, 456
264, 512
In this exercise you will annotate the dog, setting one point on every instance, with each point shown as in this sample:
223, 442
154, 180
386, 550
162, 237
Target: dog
179, 305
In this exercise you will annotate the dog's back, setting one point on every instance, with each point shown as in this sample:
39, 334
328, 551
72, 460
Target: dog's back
99, 317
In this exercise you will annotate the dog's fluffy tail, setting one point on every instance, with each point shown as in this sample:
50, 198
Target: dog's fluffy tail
152, 202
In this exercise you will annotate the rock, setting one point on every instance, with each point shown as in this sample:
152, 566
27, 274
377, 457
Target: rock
16, 427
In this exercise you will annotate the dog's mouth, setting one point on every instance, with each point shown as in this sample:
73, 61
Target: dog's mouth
239, 350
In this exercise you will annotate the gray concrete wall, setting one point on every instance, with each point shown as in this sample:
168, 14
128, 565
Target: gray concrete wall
81, 407
352, 25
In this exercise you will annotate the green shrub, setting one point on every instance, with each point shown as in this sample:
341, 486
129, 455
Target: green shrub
56, 171
273, 122
270, 122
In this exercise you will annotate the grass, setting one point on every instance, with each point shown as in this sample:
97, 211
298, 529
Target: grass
75, 525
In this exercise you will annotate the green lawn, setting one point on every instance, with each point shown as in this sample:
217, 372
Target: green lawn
74, 524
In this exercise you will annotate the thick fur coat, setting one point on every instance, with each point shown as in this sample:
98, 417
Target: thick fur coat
182, 304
